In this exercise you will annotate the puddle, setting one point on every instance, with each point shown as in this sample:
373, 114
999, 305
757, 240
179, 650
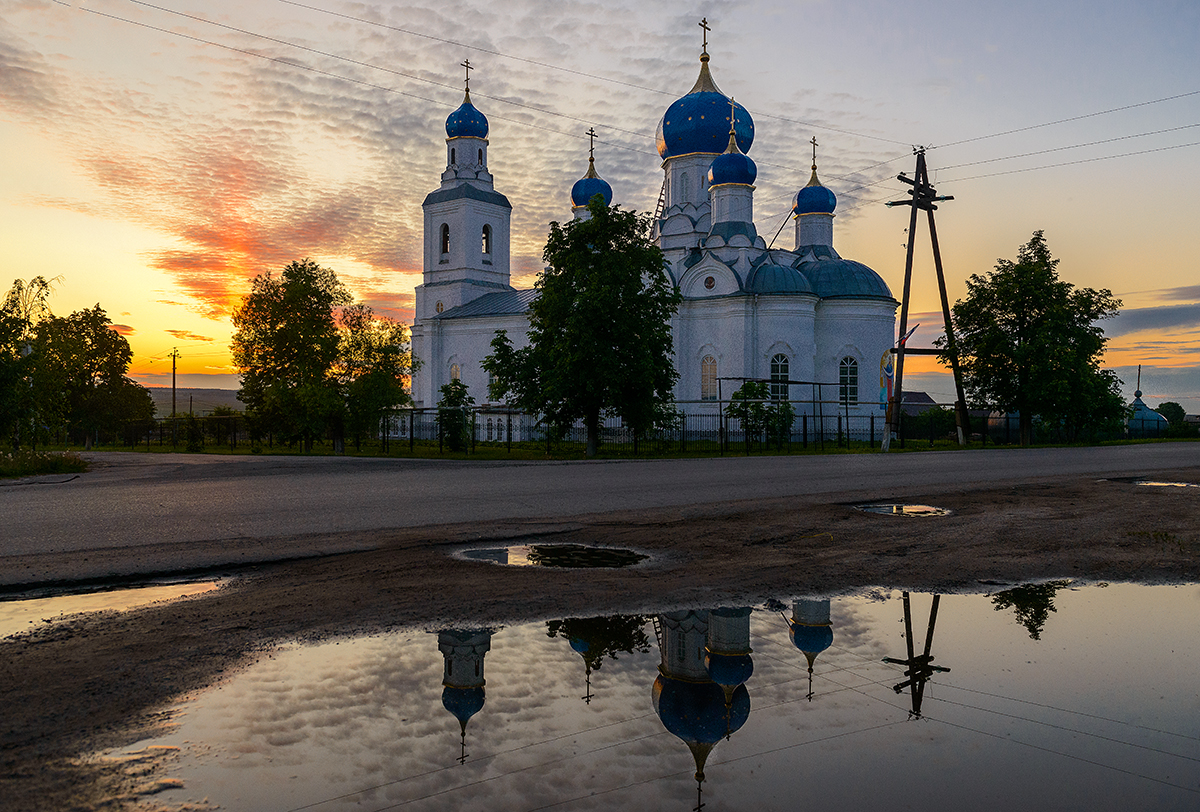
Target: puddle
1088, 695
556, 555
24, 615
1154, 484
904, 510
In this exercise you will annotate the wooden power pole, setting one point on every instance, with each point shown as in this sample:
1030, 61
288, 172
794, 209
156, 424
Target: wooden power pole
174, 358
924, 198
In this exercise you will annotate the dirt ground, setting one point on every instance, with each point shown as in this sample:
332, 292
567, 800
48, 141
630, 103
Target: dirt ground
79, 686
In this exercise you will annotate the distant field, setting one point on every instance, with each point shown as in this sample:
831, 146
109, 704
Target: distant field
203, 401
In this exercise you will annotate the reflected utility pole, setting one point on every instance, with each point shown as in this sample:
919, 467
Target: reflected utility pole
918, 667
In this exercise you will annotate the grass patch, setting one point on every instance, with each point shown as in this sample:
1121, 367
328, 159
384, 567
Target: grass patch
32, 463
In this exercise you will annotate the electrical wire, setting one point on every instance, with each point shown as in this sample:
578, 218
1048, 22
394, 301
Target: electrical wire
1072, 146
1067, 120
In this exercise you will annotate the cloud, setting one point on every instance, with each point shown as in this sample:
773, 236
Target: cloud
1163, 318
185, 335
122, 329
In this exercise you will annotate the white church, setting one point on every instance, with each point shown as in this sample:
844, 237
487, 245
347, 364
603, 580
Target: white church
748, 312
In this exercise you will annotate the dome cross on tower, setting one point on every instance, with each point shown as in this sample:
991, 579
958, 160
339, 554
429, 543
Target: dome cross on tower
466, 63
704, 48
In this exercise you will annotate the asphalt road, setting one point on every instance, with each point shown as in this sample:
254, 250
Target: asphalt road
147, 512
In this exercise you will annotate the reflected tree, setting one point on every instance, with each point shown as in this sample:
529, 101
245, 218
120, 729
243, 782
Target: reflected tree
1032, 603
595, 638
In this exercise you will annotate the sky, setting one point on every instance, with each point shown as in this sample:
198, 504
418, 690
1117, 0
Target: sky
156, 157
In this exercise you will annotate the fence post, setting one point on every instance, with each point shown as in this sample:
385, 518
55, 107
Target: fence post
474, 430
872, 429
804, 430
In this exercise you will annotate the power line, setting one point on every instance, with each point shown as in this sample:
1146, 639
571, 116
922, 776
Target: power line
1073, 163
1066, 120
1072, 146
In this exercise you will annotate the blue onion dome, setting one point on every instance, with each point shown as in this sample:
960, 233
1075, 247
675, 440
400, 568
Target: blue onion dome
732, 166
699, 121
843, 279
811, 639
463, 702
729, 670
466, 121
697, 712
589, 186
579, 645
814, 198
775, 280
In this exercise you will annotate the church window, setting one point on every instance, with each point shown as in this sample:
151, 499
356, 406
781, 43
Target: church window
439, 307
683, 186
708, 378
452, 157
710, 283
848, 381
445, 238
481, 156
455, 372
490, 428
487, 240
779, 377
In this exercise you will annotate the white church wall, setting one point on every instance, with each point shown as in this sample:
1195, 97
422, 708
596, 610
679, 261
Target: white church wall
862, 329
465, 342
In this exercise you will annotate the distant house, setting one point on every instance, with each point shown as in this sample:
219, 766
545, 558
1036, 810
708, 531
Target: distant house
913, 403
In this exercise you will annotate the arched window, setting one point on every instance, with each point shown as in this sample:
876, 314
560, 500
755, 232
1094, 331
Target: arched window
445, 239
455, 372
487, 240
490, 429
481, 156
848, 381
452, 158
683, 187
779, 377
708, 378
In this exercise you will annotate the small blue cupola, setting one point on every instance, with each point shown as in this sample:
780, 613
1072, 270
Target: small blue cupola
731, 182
466, 137
813, 208
590, 185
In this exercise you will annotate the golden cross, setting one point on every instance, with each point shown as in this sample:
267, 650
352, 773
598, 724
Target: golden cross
704, 25
592, 146
466, 63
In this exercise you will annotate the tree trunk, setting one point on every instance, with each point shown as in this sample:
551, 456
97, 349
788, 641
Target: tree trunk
1026, 428
592, 422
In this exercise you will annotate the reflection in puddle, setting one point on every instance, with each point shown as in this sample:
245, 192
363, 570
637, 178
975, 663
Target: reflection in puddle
556, 555
904, 510
1154, 484
726, 706
24, 615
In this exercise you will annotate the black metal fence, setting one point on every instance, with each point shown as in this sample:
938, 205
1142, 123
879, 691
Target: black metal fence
815, 426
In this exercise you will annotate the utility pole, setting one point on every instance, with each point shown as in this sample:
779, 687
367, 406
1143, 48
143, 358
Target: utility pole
174, 357
924, 196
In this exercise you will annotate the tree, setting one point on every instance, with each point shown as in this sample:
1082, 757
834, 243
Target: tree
1173, 412
599, 330
79, 376
454, 414
1032, 604
753, 407
374, 364
23, 307
285, 347
1029, 343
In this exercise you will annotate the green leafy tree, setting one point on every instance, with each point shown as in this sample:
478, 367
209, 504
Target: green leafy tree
759, 415
454, 415
599, 331
374, 364
23, 307
1173, 412
1030, 343
285, 347
79, 377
